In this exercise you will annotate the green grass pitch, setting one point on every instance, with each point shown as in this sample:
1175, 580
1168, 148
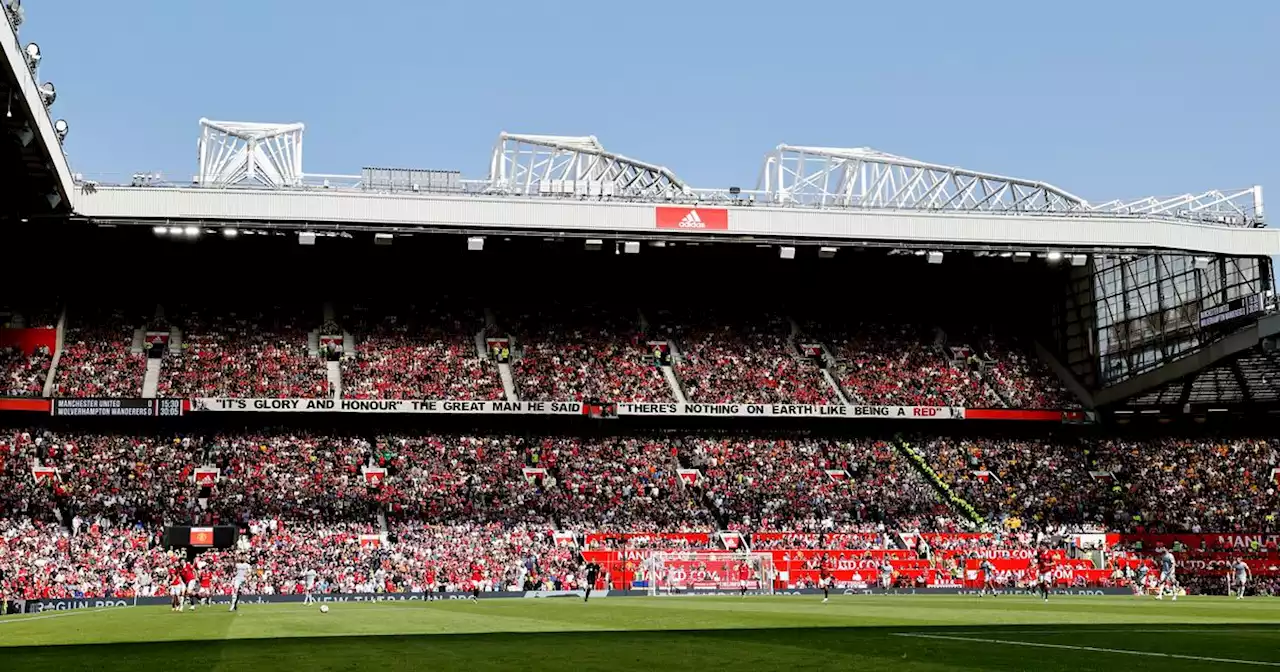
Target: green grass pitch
873, 632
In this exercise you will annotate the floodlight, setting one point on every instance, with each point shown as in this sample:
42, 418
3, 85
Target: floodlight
475, 244
48, 93
787, 252
160, 230
192, 231
175, 230
32, 54
935, 257
1055, 256
230, 232
61, 128
16, 13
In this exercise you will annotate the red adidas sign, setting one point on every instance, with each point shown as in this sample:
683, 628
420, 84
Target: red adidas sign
692, 219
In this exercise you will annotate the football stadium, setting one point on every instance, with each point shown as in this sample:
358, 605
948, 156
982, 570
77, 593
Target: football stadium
872, 412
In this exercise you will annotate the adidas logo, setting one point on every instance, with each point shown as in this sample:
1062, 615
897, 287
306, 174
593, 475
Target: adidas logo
692, 221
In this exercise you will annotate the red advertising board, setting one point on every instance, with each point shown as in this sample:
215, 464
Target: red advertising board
692, 219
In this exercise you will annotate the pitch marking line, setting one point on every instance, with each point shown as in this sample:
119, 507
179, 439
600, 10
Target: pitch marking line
24, 618
1094, 649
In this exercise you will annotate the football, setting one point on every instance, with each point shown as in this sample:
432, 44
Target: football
324, 608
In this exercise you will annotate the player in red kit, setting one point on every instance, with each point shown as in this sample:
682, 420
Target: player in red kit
190, 584
476, 577
176, 586
744, 578
206, 586
824, 582
1044, 572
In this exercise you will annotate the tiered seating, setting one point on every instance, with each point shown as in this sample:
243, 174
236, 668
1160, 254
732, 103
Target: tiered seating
457, 479
462, 509
621, 484
732, 358
1187, 485
1021, 379
573, 354
243, 353
899, 365
23, 374
1021, 482
96, 361
417, 352
785, 485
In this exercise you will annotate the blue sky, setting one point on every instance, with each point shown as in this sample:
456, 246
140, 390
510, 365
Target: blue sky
1114, 99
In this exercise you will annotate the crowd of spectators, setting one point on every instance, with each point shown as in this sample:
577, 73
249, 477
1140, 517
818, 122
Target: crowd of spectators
1017, 482
622, 484
246, 353
417, 352
900, 365
97, 360
1021, 380
584, 352
22, 374
1150, 484
744, 359
482, 509
97, 558
1223, 484
813, 485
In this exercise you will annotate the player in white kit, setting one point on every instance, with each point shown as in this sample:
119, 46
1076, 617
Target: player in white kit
1241, 571
242, 575
309, 580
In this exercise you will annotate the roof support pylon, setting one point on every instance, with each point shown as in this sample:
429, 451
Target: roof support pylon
552, 165
234, 152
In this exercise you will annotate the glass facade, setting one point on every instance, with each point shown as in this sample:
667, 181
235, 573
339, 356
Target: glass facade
1146, 309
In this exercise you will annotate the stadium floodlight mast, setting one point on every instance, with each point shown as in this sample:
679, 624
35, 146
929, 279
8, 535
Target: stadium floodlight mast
234, 153
557, 165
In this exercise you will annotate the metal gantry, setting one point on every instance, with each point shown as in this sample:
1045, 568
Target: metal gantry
555, 165
235, 152
827, 177
1239, 207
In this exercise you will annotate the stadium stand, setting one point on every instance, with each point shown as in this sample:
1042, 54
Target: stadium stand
96, 358
417, 352
493, 506
22, 374
244, 352
583, 352
736, 356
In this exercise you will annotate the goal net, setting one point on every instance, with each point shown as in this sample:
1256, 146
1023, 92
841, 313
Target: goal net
683, 572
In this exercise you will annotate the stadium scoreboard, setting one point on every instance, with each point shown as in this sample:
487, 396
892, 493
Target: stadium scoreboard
118, 408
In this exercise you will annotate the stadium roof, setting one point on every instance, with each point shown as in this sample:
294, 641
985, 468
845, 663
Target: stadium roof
33, 168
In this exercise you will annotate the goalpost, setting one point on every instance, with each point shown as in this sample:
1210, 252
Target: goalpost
692, 572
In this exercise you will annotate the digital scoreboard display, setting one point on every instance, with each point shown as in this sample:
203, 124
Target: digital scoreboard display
118, 408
